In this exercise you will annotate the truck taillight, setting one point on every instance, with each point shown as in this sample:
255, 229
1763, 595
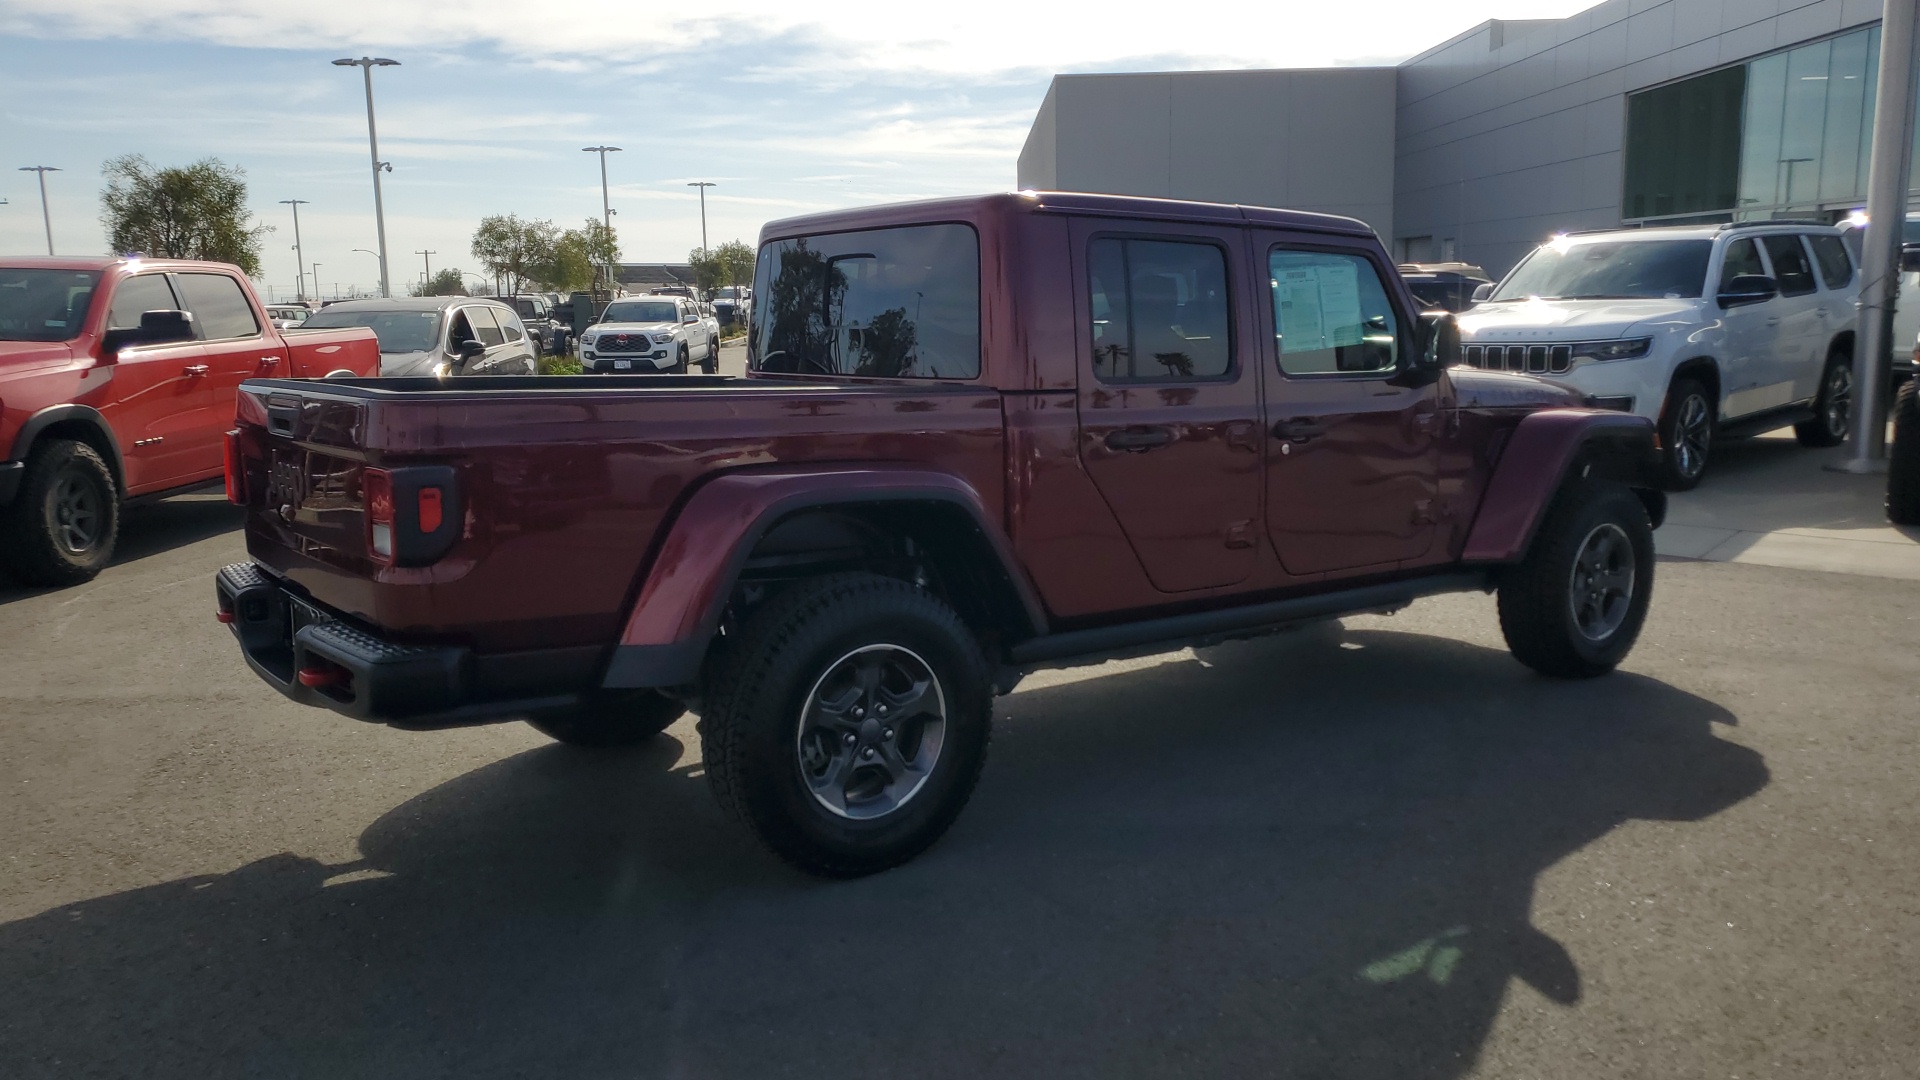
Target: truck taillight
376, 489
236, 468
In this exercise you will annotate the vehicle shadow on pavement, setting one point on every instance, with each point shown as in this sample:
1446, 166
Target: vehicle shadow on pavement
1306, 856
152, 529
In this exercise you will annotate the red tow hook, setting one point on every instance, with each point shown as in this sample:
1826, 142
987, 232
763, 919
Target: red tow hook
223, 615
321, 676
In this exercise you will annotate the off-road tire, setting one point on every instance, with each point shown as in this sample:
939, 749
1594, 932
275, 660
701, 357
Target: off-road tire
1903, 457
1538, 596
751, 722
1674, 471
1829, 426
711, 365
34, 542
684, 363
611, 720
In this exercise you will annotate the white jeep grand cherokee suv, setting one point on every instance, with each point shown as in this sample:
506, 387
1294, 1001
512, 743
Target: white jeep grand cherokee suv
646, 334
1709, 330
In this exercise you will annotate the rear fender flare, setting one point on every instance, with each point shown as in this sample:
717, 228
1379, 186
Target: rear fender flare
1544, 451
692, 575
39, 422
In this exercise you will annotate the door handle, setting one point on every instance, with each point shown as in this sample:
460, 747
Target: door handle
1299, 429
194, 371
269, 361
1136, 440
1774, 321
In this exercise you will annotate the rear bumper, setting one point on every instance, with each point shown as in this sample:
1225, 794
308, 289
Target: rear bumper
10, 474
314, 657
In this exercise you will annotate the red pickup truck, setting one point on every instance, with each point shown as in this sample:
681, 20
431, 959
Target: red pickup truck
117, 382
977, 437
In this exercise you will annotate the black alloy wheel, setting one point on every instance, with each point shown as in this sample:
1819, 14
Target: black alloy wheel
1686, 434
1832, 407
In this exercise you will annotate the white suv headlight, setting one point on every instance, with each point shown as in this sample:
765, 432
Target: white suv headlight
1623, 349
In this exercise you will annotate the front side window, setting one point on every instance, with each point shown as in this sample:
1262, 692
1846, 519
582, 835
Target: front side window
44, 305
1331, 315
220, 309
486, 329
1743, 257
1835, 268
1790, 266
1159, 310
1610, 270
895, 303
136, 296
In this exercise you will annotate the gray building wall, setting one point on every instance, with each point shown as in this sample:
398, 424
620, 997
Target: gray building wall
1312, 139
1513, 131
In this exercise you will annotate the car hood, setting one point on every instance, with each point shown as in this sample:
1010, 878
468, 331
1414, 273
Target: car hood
633, 327
1570, 320
29, 354
395, 365
1476, 389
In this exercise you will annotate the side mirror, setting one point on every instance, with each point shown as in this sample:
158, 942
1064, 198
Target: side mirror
1483, 291
1910, 258
690, 320
156, 328
1438, 340
471, 349
1748, 289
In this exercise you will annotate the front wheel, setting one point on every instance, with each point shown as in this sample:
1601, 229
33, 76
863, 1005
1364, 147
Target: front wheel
849, 725
1686, 434
1573, 607
62, 526
1832, 409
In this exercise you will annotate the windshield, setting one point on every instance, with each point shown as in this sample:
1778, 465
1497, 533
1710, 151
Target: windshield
642, 311
1610, 270
398, 331
44, 305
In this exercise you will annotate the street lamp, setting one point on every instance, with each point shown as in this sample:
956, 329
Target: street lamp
606, 208
427, 258
46, 215
316, 281
366, 64
703, 185
299, 256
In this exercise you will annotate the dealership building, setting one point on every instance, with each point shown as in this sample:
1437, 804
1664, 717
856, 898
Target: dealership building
1633, 112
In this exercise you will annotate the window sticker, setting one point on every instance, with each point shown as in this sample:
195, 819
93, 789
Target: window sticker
1317, 306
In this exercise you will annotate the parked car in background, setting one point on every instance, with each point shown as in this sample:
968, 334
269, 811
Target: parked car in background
1445, 286
647, 334
537, 317
1026, 431
1711, 331
1906, 311
733, 304
440, 336
117, 382
288, 316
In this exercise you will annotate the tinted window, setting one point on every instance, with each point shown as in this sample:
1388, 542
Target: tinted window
509, 326
1331, 314
1835, 268
889, 302
148, 292
485, 328
398, 331
1159, 310
1610, 270
1743, 257
44, 305
219, 308
1790, 266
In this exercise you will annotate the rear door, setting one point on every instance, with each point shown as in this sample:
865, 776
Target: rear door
1168, 398
1799, 344
236, 349
157, 390
1352, 452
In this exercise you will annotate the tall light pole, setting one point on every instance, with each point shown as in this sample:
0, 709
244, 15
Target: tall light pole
366, 64
427, 258
606, 207
299, 256
46, 216
316, 281
703, 185
375, 254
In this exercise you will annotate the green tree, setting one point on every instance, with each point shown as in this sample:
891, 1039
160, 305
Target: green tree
570, 266
603, 245
707, 271
514, 250
196, 211
446, 282
736, 263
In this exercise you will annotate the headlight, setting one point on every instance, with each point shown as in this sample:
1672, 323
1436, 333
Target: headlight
1623, 349
588, 339
663, 339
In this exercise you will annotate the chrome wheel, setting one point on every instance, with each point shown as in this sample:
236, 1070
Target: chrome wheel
75, 510
1600, 589
1839, 400
1693, 433
871, 731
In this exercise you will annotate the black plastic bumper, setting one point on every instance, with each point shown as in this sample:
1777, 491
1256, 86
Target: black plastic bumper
315, 657
10, 475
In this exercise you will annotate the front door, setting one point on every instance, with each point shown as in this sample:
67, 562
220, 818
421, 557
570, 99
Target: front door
1169, 398
236, 350
1352, 456
157, 390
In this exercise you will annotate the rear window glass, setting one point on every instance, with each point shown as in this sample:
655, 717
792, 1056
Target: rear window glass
220, 309
901, 303
1835, 268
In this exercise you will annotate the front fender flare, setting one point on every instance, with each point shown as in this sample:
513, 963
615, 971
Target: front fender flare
691, 578
23, 439
1544, 448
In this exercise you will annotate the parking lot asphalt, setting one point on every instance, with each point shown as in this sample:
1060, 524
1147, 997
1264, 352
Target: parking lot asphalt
1376, 848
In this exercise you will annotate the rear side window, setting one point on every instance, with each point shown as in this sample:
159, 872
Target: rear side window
1790, 266
486, 329
900, 303
1159, 310
148, 292
1743, 257
1331, 315
219, 308
509, 326
1831, 253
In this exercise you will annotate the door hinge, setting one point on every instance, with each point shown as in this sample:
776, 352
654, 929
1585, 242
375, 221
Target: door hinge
1240, 534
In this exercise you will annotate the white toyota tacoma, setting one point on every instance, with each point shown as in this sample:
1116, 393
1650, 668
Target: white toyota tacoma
1711, 331
649, 334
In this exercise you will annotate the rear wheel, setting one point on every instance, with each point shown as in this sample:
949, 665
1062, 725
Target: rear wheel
1833, 408
1573, 607
849, 725
1903, 458
611, 720
63, 523
1686, 434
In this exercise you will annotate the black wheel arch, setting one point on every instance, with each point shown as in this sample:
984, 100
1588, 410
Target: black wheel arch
1703, 368
80, 423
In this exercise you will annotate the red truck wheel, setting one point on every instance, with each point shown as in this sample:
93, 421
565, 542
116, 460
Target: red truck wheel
850, 724
61, 527
1573, 607
611, 720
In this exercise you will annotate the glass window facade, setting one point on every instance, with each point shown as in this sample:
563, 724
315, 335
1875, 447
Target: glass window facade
1784, 136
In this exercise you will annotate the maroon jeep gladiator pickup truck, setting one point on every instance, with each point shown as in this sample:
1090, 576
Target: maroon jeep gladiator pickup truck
977, 436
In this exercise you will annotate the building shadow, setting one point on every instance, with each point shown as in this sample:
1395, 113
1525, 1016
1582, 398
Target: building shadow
1307, 856
152, 529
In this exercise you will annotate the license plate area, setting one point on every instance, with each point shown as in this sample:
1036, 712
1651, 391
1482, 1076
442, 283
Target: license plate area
622, 365
302, 614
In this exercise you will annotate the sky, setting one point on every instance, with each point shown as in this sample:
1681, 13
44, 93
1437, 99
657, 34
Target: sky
788, 108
